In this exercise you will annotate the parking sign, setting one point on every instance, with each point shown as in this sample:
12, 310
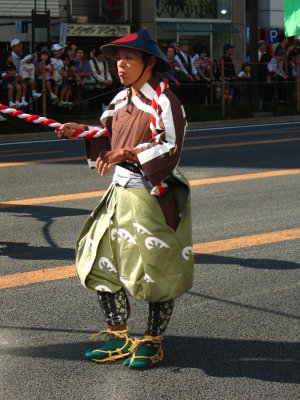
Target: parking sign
272, 35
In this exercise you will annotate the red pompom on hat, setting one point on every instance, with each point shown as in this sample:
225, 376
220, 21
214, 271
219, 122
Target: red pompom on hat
141, 41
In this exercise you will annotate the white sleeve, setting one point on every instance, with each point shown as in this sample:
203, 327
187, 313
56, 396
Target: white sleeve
94, 72
176, 58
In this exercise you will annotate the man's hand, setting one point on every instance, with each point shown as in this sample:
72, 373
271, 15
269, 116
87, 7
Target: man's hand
107, 159
103, 166
66, 130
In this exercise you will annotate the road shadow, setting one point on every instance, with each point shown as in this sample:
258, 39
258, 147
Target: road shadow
25, 251
48, 215
257, 263
262, 360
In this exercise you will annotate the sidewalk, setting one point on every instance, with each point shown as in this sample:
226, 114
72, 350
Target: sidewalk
23, 137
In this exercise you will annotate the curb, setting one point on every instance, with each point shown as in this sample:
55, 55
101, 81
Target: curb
241, 122
23, 137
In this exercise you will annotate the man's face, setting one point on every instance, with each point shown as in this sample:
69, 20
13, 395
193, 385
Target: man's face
73, 49
170, 53
203, 55
18, 48
79, 55
263, 48
100, 57
57, 53
229, 52
185, 48
130, 65
177, 47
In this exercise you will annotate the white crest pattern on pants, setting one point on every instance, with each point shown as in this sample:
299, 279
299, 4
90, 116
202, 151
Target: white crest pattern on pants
187, 252
104, 262
122, 234
103, 288
153, 241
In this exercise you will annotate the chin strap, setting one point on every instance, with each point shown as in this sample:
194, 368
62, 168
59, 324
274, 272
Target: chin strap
129, 91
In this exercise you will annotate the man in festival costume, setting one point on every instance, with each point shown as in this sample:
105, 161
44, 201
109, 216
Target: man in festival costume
138, 241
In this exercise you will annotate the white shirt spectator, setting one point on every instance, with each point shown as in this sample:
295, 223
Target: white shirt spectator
58, 64
58, 68
277, 67
16, 60
101, 73
187, 59
27, 70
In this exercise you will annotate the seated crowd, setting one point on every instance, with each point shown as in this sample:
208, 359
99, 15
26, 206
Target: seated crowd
69, 74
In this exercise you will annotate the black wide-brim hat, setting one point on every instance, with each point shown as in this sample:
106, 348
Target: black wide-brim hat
141, 41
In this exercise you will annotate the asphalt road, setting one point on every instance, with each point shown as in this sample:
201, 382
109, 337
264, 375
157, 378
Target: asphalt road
234, 336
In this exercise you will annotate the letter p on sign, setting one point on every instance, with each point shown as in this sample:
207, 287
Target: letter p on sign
272, 35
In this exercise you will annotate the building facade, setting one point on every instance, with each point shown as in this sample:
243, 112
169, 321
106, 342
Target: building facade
90, 22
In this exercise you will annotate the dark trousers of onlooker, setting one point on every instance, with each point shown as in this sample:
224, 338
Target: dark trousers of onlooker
202, 92
280, 90
245, 91
266, 92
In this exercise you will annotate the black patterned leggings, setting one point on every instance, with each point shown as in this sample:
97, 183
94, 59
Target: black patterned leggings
116, 309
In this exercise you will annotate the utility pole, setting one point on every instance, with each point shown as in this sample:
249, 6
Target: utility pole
253, 18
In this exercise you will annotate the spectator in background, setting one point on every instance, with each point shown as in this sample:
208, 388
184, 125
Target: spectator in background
58, 67
71, 83
17, 48
71, 51
83, 75
279, 75
101, 75
65, 90
204, 72
39, 48
196, 52
83, 67
92, 53
229, 71
185, 61
27, 74
172, 75
9, 80
262, 48
266, 88
283, 41
44, 63
293, 61
176, 46
245, 76
99, 68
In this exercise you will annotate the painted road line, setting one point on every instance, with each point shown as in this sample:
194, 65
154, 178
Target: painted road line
42, 275
244, 177
69, 271
50, 160
52, 199
268, 132
210, 146
247, 241
195, 182
32, 154
239, 144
